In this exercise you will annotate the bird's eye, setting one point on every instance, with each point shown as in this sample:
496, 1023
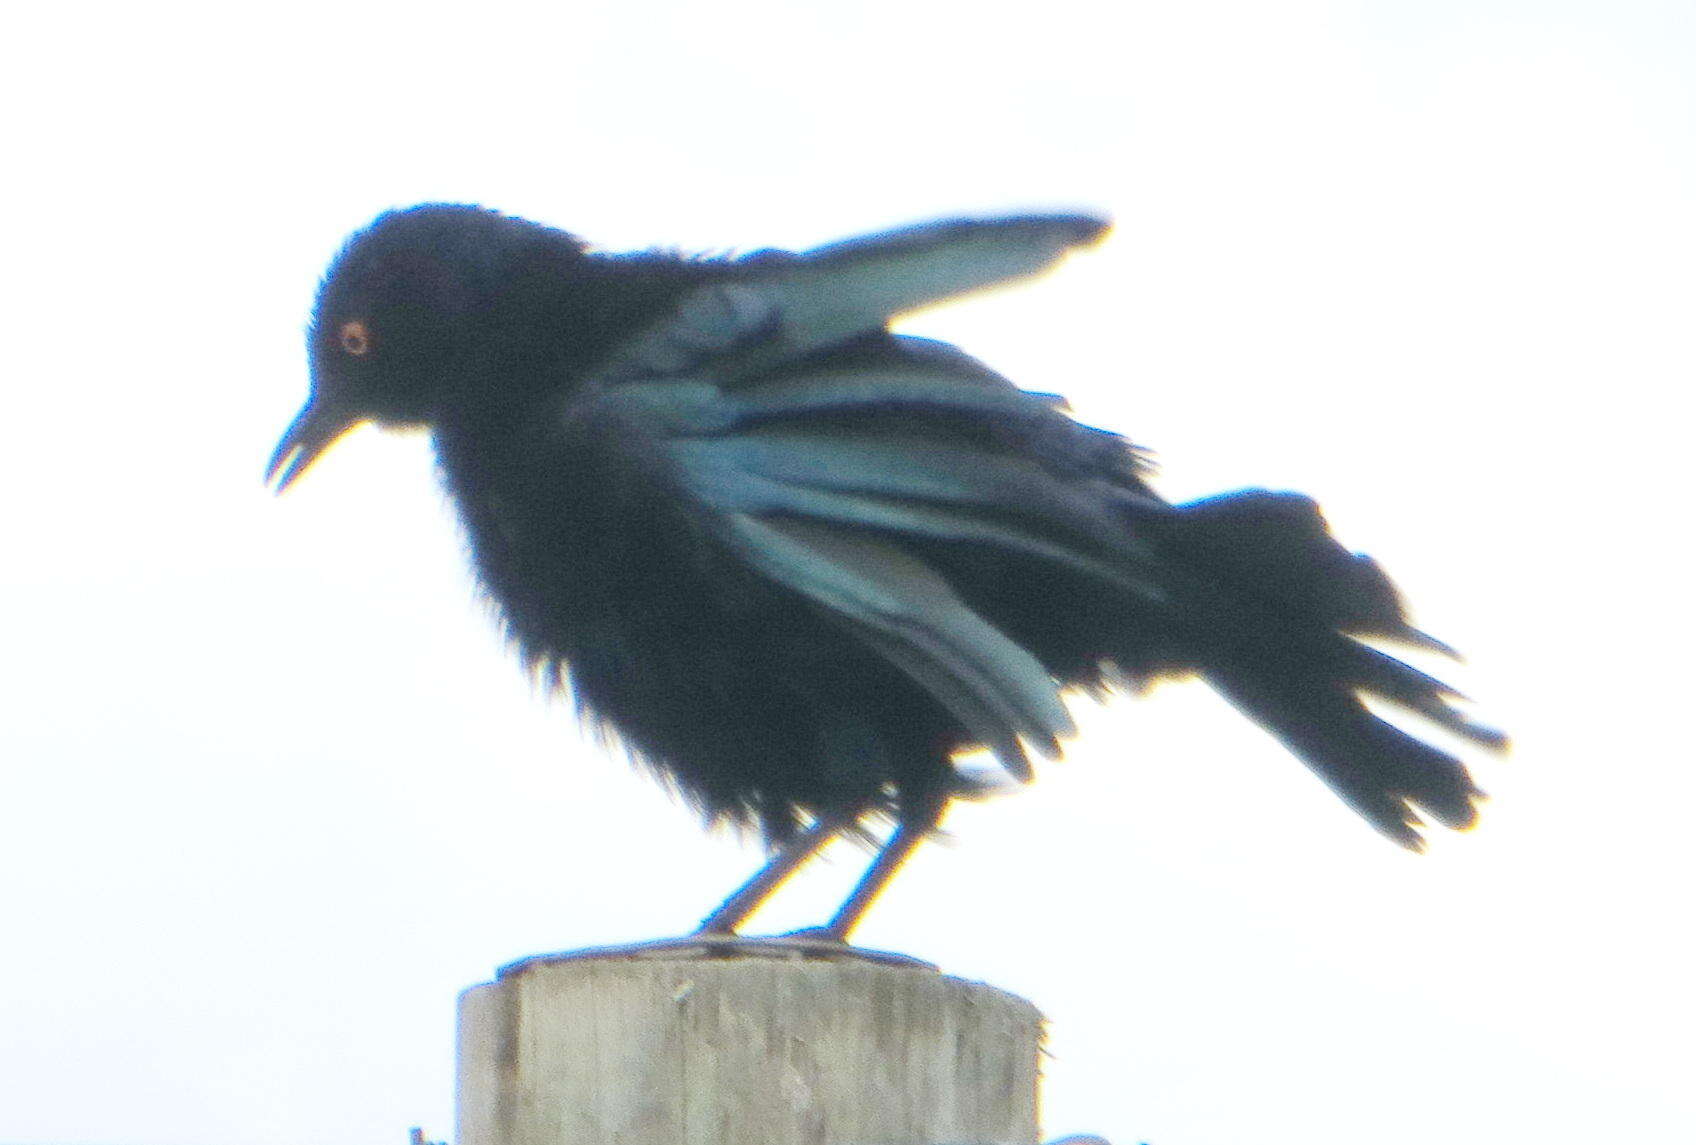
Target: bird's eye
355, 339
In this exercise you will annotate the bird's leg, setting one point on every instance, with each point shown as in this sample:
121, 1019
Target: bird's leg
907, 836
790, 857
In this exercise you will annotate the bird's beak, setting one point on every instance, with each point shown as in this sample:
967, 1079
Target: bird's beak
315, 428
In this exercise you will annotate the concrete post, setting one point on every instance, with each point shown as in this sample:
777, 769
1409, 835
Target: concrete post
738, 1042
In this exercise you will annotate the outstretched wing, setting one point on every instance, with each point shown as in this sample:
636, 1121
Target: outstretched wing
785, 306
811, 444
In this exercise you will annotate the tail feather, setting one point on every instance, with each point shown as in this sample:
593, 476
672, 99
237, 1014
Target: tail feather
1284, 606
1407, 687
1372, 765
1277, 549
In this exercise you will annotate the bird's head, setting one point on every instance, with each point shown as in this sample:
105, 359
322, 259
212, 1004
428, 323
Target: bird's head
398, 310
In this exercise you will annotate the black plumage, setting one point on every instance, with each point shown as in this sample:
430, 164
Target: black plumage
796, 561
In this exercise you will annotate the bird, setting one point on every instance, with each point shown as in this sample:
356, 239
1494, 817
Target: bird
797, 563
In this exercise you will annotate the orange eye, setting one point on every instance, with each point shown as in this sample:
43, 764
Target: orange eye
355, 339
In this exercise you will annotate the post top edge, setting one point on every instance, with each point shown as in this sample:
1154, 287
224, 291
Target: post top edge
728, 947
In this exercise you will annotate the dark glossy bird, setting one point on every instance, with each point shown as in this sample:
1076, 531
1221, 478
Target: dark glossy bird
797, 562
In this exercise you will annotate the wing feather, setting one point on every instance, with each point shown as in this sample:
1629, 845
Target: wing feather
776, 414
772, 309
903, 608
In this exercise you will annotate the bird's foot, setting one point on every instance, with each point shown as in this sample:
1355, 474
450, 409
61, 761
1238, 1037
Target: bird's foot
818, 934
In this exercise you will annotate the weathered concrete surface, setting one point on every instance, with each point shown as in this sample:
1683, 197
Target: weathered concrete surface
680, 1044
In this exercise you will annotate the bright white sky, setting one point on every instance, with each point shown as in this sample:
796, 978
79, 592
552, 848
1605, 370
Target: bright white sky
273, 792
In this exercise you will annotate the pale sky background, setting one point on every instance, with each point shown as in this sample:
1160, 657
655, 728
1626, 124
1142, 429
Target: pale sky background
272, 792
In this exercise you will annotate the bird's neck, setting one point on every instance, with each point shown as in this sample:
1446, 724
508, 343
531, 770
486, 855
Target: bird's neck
498, 436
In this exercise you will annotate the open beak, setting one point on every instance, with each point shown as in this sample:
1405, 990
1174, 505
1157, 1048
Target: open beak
315, 428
